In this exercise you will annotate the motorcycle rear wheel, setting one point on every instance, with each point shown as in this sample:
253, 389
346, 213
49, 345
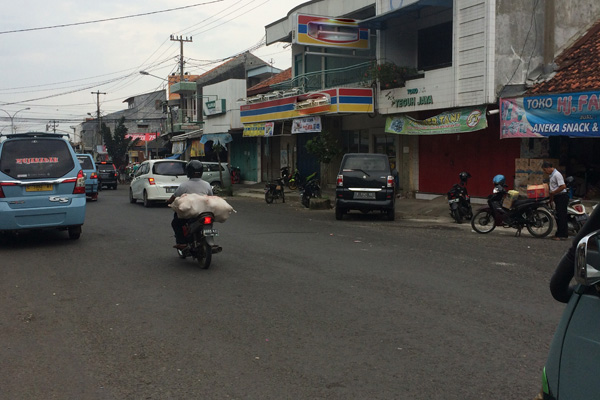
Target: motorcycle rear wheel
540, 223
204, 255
292, 185
483, 222
457, 217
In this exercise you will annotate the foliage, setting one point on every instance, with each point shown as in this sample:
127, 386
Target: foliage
117, 145
388, 74
324, 147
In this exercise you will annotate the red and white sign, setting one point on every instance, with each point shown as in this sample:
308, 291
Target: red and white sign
146, 137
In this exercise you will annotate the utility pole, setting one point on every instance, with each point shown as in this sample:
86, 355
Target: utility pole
52, 124
94, 150
180, 39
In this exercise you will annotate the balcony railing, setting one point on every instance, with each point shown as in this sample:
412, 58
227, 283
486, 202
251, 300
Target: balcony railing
183, 120
320, 80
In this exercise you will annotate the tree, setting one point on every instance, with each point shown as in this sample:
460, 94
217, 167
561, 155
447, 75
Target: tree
117, 145
324, 147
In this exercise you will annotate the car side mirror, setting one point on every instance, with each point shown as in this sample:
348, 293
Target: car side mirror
587, 259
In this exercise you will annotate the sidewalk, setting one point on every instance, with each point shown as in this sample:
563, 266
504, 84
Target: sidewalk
405, 208
436, 209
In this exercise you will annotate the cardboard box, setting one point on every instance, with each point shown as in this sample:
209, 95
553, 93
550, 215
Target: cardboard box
535, 164
521, 179
521, 165
535, 178
509, 199
538, 191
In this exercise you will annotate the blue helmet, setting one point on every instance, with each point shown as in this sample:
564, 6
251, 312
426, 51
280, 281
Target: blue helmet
499, 180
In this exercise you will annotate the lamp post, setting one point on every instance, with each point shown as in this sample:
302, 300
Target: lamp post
12, 118
156, 76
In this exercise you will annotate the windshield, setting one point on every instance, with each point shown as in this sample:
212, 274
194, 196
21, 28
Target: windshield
169, 168
36, 158
366, 163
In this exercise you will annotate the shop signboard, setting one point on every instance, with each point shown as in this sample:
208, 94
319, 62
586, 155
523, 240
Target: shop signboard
306, 125
461, 120
566, 114
259, 129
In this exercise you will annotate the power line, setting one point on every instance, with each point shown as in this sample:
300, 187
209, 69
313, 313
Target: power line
109, 19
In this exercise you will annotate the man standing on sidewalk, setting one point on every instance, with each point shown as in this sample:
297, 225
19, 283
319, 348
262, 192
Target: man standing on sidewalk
560, 198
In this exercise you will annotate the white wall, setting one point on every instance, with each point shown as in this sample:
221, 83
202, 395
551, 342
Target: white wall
230, 90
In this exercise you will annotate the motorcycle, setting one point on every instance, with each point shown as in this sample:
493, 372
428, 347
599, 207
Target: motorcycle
294, 180
309, 190
274, 191
459, 200
199, 235
532, 214
576, 213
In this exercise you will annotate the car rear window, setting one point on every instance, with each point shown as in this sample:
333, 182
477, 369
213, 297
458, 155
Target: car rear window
366, 163
36, 158
169, 168
86, 162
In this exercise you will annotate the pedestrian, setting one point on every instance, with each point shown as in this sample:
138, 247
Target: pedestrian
560, 198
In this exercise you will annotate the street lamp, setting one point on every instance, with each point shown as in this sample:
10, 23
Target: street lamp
156, 76
12, 118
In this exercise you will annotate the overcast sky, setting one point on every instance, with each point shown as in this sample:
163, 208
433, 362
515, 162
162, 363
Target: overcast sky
54, 71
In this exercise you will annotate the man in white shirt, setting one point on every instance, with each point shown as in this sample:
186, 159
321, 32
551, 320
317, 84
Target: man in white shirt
560, 198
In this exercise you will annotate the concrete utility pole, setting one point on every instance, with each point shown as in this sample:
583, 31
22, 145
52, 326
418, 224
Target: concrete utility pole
52, 124
94, 150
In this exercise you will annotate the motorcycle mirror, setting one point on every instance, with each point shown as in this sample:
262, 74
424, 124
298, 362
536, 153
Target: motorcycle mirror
587, 260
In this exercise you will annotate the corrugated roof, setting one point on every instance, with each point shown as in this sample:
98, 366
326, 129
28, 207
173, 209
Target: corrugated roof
578, 67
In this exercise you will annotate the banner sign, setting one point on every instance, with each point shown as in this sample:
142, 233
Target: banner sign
146, 137
314, 30
457, 121
259, 129
306, 125
566, 114
178, 147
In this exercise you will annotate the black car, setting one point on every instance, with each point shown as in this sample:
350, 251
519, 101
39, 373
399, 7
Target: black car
365, 183
107, 175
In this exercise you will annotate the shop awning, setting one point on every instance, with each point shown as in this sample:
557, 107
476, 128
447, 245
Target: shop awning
379, 21
217, 138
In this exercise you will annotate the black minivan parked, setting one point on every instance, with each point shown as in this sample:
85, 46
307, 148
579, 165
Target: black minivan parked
365, 183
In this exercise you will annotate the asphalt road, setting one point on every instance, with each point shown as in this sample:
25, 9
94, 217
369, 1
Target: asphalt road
297, 306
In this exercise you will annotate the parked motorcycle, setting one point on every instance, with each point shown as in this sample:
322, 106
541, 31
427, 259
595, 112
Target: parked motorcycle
274, 191
294, 180
532, 214
459, 200
310, 189
199, 234
576, 213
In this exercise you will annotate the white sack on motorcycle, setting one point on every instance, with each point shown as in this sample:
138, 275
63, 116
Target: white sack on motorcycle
191, 205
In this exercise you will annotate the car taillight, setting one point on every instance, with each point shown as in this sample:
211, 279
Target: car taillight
94, 176
4, 184
151, 181
390, 181
79, 183
340, 180
208, 220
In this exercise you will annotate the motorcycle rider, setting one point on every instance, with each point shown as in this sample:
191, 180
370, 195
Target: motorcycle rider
194, 170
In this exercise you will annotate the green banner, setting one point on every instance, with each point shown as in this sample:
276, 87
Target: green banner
457, 121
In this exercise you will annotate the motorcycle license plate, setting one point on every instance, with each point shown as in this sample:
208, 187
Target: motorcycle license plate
364, 195
210, 232
581, 218
453, 201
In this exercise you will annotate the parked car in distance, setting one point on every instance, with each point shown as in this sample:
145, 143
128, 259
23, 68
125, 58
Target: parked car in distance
571, 371
91, 175
156, 180
42, 184
212, 176
107, 175
365, 183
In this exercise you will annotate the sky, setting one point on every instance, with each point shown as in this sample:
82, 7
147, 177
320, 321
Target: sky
55, 53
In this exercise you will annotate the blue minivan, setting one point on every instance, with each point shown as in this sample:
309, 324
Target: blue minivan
91, 175
41, 184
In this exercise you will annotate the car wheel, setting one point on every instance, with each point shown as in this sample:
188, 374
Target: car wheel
74, 232
339, 213
114, 186
147, 202
391, 214
132, 199
216, 188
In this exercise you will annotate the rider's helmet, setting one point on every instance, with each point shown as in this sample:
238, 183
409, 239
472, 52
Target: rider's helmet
194, 169
499, 180
464, 176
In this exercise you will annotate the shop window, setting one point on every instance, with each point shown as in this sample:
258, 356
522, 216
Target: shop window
386, 144
435, 47
355, 141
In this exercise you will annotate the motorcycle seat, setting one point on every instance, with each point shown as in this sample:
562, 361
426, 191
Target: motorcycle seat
523, 202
